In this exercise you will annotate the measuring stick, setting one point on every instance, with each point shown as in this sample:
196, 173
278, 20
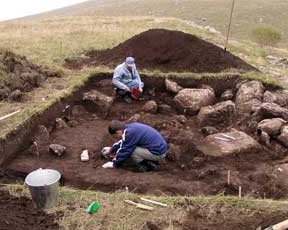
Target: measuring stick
9, 115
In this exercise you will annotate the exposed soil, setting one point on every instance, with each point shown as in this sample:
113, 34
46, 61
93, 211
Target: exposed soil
17, 213
18, 75
192, 173
165, 50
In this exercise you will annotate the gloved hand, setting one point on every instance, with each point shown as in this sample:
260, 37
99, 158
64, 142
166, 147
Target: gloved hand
105, 151
108, 165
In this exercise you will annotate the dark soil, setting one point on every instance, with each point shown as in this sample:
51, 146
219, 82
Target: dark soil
191, 173
19, 213
165, 50
18, 75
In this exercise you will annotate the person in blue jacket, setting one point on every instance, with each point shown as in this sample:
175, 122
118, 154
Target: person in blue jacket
143, 144
126, 79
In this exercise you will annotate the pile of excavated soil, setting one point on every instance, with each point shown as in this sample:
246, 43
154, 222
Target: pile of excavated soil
167, 51
18, 75
18, 213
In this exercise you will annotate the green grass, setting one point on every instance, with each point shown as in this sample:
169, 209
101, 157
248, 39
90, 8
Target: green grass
247, 14
115, 214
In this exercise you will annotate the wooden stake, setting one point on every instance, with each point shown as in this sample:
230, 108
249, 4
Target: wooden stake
9, 115
139, 205
240, 191
228, 177
153, 202
229, 26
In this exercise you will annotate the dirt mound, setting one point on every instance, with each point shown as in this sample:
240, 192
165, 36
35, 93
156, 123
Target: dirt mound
18, 75
167, 51
20, 213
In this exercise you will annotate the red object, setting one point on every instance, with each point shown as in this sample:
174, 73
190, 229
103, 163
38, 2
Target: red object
135, 93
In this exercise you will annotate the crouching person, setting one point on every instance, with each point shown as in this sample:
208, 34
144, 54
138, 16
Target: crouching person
127, 81
140, 144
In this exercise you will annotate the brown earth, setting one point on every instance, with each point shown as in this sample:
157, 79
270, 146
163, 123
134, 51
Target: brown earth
19, 213
192, 173
165, 50
18, 75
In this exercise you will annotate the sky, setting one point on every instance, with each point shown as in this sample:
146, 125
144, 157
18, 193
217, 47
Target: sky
11, 9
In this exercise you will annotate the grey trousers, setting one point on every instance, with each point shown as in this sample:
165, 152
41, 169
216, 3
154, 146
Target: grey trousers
140, 154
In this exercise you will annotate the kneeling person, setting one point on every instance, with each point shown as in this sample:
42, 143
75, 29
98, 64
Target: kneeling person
141, 143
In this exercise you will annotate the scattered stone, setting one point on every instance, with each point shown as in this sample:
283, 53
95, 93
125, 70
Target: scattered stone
72, 123
33, 149
134, 118
4, 92
227, 95
102, 101
271, 126
218, 113
180, 118
242, 143
57, 149
208, 130
249, 96
172, 86
150, 107
191, 100
165, 109
265, 138
61, 124
283, 137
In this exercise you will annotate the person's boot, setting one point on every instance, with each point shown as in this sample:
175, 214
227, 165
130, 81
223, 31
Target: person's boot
127, 99
150, 165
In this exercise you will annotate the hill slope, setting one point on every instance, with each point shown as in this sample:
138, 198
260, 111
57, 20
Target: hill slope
247, 14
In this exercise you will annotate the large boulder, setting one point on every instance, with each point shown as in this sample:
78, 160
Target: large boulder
279, 97
190, 101
271, 126
150, 107
249, 96
230, 143
102, 101
215, 114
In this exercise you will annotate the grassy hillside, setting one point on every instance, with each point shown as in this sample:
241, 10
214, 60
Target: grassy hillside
247, 14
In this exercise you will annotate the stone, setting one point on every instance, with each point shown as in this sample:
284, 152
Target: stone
241, 143
190, 101
249, 96
216, 114
283, 137
57, 149
165, 109
16, 95
134, 118
271, 126
78, 110
271, 110
172, 86
100, 100
279, 97
227, 95
61, 124
150, 107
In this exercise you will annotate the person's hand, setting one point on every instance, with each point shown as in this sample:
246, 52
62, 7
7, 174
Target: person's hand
108, 165
127, 89
105, 151
140, 90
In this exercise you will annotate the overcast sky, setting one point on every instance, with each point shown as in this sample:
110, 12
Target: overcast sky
10, 9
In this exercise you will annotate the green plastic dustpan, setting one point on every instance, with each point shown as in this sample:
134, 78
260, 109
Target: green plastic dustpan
93, 207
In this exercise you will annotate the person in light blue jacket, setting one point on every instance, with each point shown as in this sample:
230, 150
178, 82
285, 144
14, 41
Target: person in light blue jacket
143, 144
126, 79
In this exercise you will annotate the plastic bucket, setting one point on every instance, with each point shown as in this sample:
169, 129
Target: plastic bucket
43, 185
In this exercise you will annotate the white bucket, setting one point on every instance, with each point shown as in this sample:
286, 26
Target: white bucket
43, 185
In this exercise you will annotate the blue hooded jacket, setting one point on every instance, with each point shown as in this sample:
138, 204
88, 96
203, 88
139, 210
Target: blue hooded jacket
138, 135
